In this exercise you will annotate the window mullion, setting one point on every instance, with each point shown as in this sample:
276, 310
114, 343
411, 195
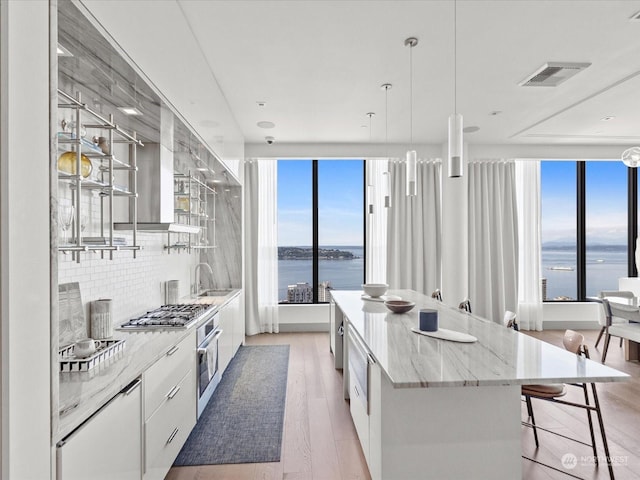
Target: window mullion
581, 242
315, 247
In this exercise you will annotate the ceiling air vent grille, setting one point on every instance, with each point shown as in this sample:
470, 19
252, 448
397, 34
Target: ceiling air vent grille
552, 74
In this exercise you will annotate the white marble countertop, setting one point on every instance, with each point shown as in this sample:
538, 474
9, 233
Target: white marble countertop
83, 393
501, 356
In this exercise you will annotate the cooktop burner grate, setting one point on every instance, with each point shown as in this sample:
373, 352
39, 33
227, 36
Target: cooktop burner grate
167, 316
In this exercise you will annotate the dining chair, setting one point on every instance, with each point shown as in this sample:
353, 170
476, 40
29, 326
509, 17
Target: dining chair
623, 321
437, 294
465, 305
573, 342
510, 320
618, 296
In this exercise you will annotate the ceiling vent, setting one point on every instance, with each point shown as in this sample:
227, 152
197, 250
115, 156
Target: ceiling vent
552, 74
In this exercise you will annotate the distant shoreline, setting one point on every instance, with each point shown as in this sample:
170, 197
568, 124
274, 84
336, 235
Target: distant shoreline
306, 253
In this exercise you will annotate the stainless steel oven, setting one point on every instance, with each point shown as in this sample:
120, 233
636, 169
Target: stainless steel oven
208, 373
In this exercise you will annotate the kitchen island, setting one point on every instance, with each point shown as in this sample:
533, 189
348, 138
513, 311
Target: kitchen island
430, 408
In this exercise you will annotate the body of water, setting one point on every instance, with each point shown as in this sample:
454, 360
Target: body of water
343, 274
604, 267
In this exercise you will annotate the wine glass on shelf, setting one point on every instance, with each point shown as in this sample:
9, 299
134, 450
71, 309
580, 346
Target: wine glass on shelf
65, 216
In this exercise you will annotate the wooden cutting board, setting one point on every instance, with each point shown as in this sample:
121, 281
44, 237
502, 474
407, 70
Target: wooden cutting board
73, 325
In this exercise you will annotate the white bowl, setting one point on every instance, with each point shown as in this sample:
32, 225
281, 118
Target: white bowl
375, 289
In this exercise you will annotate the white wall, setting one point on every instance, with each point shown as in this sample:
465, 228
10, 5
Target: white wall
304, 318
24, 243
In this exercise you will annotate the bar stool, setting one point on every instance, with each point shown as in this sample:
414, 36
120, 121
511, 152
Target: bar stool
437, 295
465, 305
573, 342
510, 320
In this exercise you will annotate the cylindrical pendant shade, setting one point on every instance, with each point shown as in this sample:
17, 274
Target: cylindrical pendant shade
387, 189
412, 160
455, 145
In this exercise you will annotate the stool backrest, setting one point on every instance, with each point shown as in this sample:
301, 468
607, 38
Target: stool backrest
573, 341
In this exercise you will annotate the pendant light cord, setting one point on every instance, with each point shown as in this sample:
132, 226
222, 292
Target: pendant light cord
386, 120
411, 94
455, 57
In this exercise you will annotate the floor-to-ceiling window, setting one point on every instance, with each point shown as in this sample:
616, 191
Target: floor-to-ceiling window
585, 227
320, 228
559, 235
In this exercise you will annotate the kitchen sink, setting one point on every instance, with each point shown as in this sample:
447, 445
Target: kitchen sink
215, 293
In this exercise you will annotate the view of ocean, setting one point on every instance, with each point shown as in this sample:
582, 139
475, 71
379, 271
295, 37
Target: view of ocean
343, 274
605, 265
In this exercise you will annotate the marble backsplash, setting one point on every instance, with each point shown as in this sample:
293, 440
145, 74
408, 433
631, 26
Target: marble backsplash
226, 259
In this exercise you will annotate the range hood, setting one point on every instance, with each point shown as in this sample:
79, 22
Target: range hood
155, 184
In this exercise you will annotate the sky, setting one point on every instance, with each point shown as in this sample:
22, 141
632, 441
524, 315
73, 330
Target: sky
606, 207
340, 202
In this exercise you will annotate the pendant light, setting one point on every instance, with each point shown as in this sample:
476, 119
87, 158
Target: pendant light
387, 176
370, 191
455, 120
412, 158
631, 157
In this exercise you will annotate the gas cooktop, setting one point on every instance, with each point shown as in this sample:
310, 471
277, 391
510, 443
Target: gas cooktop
167, 316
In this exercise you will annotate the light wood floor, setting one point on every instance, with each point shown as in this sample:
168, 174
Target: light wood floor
320, 441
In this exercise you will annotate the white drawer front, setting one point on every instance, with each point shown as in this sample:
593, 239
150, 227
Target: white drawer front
359, 415
164, 375
168, 428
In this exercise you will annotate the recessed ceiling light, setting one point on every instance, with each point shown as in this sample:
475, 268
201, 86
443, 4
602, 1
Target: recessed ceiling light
495, 112
216, 180
202, 169
265, 124
261, 103
470, 129
130, 110
63, 52
607, 118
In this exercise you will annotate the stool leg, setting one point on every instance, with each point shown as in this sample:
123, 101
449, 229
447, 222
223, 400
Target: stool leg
533, 419
604, 436
593, 437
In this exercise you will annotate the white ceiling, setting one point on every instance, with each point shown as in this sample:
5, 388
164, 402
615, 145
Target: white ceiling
319, 66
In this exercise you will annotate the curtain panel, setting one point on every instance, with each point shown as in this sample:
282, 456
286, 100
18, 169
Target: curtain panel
261, 246
376, 252
414, 228
529, 235
493, 238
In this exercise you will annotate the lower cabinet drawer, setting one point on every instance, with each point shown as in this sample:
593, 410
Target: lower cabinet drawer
163, 375
359, 414
168, 428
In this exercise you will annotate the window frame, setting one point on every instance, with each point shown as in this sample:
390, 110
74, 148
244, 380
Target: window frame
581, 243
315, 229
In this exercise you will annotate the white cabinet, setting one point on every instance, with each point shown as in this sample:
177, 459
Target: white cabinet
108, 445
170, 400
232, 325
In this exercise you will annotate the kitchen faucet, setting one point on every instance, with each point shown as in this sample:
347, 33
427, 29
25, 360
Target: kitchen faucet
197, 287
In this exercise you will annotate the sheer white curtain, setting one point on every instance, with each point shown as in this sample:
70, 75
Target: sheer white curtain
493, 238
261, 245
414, 229
376, 254
529, 261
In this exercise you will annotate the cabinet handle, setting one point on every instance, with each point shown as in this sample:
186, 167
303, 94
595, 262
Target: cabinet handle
174, 391
131, 387
370, 359
173, 350
355, 389
172, 436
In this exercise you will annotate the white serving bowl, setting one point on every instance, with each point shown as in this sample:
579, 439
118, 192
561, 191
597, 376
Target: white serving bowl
375, 289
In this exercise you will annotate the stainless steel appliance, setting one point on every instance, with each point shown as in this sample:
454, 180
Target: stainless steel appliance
208, 372
168, 317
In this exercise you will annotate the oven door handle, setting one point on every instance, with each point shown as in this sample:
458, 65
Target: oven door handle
212, 336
